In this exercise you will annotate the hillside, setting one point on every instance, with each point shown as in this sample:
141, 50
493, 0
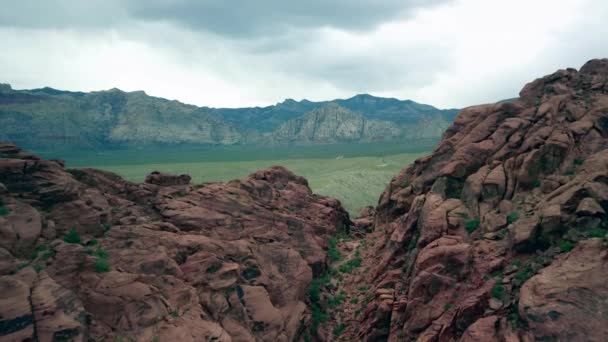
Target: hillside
40, 118
500, 234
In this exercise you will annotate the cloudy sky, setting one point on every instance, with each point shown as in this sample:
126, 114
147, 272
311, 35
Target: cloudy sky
223, 53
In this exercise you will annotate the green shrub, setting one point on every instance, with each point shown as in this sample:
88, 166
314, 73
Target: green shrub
405, 184
354, 300
512, 217
174, 314
471, 225
569, 172
498, 291
566, 246
213, 268
578, 161
333, 253
351, 265
99, 253
318, 317
314, 291
339, 329
363, 288
4, 210
413, 242
92, 242
524, 274
335, 301
596, 233
447, 306
102, 266
72, 236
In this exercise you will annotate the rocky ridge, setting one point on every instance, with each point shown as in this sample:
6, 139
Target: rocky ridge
499, 235
39, 118
85, 255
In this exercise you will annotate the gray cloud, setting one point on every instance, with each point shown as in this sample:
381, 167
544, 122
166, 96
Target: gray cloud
237, 19
248, 18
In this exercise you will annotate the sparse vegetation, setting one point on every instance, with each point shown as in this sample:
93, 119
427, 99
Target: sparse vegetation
524, 274
72, 236
578, 161
354, 300
512, 217
174, 314
566, 246
413, 242
339, 329
498, 291
213, 268
569, 172
471, 225
333, 253
3, 209
102, 266
405, 184
352, 264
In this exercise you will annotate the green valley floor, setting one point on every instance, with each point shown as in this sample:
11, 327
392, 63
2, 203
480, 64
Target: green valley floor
355, 181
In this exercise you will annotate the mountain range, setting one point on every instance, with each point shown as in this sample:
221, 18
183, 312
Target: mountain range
39, 118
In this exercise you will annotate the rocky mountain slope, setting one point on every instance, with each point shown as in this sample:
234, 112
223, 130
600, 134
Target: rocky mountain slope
499, 235
45, 117
335, 124
87, 256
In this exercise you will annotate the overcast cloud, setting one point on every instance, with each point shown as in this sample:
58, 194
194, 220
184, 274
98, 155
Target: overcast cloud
448, 53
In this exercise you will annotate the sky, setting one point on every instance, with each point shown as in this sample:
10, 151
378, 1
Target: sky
222, 53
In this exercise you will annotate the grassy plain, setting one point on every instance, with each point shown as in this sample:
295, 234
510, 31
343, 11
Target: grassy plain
354, 174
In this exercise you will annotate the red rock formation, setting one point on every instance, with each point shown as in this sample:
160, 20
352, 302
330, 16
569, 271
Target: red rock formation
480, 239
85, 255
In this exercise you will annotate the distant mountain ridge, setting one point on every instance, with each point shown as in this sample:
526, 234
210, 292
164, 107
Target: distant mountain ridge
43, 117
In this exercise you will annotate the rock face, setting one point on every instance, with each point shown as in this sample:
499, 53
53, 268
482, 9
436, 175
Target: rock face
499, 234
39, 118
335, 124
85, 255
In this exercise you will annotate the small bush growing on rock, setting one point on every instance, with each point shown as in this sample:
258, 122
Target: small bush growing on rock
566, 246
363, 288
471, 225
339, 329
333, 253
578, 161
3, 210
335, 301
524, 274
405, 184
354, 300
351, 265
72, 236
413, 242
214, 268
498, 291
596, 233
102, 266
569, 172
512, 217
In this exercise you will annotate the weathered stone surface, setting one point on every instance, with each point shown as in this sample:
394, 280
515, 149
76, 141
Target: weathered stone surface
97, 257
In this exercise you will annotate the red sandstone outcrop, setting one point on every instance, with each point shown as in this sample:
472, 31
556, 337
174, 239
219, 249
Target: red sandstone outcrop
500, 233
85, 255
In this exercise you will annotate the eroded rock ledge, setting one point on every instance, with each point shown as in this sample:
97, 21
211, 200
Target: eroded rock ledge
500, 233
86, 255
